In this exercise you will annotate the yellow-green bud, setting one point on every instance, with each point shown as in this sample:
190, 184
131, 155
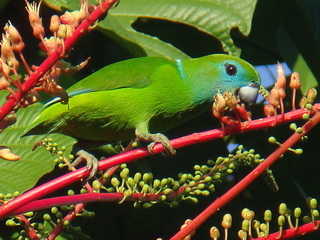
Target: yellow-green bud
192, 183
214, 233
207, 179
16, 194
315, 213
147, 177
106, 175
229, 171
293, 126
272, 140
227, 221
205, 193
145, 188
146, 205
163, 182
309, 106
11, 223
245, 225
54, 210
28, 214
256, 224
47, 217
70, 192
197, 167
96, 184
267, 215
211, 162
82, 191
242, 234
130, 181
281, 220
137, 177
305, 116
127, 193
156, 183
115, 182
167, 191
299, 130
282, 209
263, 227
66, 223
297, 212
313, 203
124, 173
197, 177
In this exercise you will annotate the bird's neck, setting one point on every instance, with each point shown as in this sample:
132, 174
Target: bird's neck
196, 77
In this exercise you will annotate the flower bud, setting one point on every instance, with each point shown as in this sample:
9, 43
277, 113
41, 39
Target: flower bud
268, 110
274, 98
4, 84
34, 19
311, 95
64, 31
54, 23
281, 80
295, 81
15, 37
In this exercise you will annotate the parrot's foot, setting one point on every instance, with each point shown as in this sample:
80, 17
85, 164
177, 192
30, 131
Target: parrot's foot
92, 162
156, 138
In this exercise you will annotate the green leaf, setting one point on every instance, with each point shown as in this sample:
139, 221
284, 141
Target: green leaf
213, 17
24, 174
299, 41
296, 61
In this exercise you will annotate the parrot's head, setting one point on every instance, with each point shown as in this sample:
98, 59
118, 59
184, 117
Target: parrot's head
239, 76
219, 73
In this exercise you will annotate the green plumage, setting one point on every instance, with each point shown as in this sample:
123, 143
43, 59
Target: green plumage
142, 95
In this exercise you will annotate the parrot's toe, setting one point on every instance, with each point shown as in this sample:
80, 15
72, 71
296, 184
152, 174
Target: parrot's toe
92, 162
157, 138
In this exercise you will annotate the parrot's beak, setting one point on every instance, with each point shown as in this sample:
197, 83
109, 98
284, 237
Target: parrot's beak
248, 94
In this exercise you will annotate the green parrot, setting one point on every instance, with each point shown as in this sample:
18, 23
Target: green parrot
142, 97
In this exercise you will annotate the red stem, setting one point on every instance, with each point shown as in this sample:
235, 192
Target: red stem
54, 57
27, 226
291, 232
67, 179
82, 198
240, 186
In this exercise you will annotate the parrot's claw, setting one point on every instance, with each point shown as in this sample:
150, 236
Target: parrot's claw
92, 162
157, 138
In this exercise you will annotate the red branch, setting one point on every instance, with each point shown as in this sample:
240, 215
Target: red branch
292, 232
240, 186
54, 57
82, 198
67, 179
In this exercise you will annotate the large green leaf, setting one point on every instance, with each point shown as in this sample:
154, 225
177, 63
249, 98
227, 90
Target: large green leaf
298, 42
213, 17
24, 174
296, 61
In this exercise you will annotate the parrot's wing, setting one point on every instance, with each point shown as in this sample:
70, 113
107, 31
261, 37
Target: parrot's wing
131, 73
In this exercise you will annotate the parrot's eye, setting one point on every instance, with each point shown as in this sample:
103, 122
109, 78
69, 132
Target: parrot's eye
231, 69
